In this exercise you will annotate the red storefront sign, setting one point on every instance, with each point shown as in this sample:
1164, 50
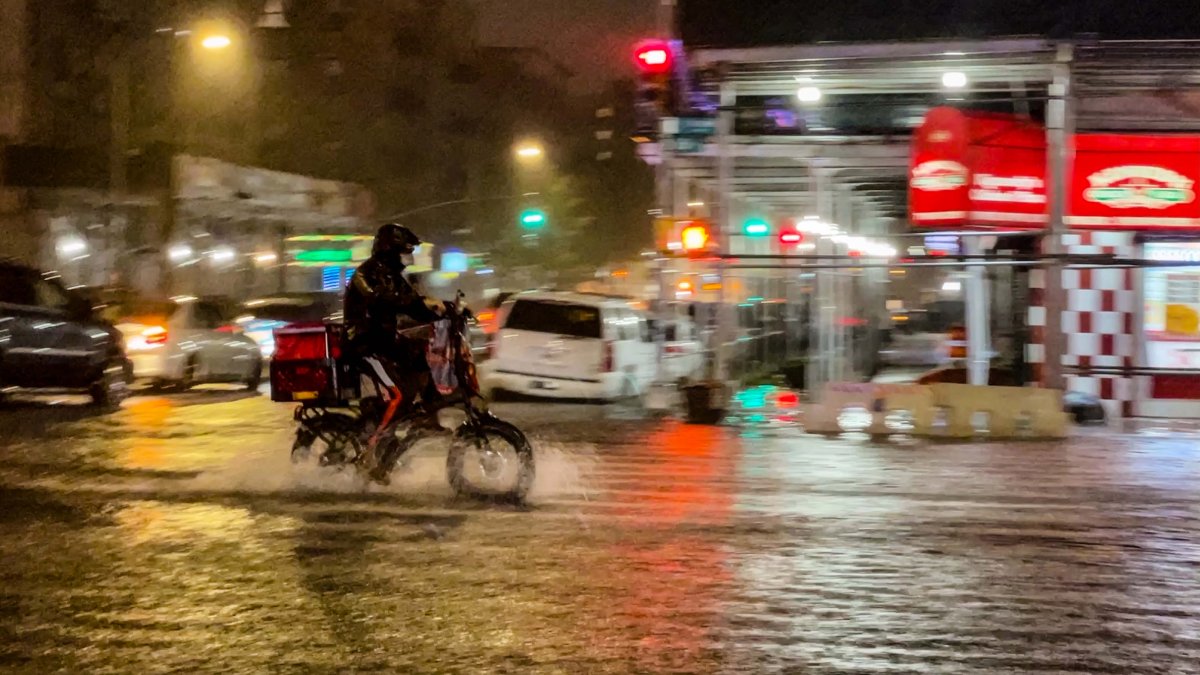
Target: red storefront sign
1135, 182
1007, 156
938, 176
1123, 181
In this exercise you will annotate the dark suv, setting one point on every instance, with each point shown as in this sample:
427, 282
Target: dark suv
51, 339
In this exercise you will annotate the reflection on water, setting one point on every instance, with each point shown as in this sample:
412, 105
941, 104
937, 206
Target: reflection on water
181, 538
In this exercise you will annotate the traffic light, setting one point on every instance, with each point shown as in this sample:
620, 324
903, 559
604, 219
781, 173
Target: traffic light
533, 219
653, 57
655, 61
790, 238
694, 238
756, 227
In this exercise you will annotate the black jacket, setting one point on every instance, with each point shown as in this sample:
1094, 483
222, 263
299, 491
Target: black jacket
378, 295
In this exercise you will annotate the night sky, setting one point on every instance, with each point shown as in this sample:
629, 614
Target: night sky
593, 38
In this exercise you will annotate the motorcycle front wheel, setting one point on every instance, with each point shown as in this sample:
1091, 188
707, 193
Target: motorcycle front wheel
491, 460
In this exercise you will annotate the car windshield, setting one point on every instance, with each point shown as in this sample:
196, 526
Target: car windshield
559, 318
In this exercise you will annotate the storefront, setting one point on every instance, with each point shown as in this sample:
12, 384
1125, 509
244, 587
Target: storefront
1131, 331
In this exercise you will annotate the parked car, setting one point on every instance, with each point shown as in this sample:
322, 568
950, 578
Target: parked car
261, 317
50, 338
683, 352
187, 341
570, 345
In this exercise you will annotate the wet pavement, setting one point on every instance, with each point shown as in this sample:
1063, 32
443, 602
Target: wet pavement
175, 536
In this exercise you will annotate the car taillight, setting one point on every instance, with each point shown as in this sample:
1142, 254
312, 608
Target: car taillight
673, 349
155, 335
607, 365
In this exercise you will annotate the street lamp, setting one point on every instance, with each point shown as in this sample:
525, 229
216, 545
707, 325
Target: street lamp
215, 42
529, 151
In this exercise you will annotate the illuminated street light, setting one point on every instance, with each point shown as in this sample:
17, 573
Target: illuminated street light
215, 42
954, 80
529, 151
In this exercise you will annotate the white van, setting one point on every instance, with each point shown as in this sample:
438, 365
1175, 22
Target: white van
570, 345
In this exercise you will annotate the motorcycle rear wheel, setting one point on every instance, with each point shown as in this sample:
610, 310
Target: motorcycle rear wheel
333, 439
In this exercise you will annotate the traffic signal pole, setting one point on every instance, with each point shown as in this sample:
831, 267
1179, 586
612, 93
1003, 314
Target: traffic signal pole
664, 199
666, 202
725, 225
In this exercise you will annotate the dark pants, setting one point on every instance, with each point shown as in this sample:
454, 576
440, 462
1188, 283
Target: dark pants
400, 368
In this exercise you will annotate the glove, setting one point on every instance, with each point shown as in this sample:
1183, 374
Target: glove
436, 306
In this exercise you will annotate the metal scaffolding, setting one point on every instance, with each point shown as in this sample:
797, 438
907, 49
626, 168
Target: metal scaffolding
856, 176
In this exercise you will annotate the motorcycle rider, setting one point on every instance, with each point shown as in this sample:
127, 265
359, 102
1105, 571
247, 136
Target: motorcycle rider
378, 298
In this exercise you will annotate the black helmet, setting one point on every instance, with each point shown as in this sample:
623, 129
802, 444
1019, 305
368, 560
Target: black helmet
396, 240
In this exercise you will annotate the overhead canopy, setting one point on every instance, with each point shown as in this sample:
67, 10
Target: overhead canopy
873, 95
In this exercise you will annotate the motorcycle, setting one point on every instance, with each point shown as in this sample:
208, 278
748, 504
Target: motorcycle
489, 458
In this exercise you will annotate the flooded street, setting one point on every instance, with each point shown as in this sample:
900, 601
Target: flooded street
175, 536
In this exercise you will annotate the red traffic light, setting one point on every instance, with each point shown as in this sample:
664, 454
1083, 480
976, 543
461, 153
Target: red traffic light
653, 57
790, 237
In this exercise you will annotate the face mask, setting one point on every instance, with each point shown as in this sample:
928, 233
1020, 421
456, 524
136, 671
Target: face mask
406, 259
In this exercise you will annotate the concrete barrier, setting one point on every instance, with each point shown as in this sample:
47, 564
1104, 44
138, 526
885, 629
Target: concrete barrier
878, 400
999, 412
939, 410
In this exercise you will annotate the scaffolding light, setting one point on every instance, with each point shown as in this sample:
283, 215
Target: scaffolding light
809, 94
954, 80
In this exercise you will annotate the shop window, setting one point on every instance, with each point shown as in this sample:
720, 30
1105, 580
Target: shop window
1172, 307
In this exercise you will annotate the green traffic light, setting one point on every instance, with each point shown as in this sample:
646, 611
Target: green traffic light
756, 227
533, 219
